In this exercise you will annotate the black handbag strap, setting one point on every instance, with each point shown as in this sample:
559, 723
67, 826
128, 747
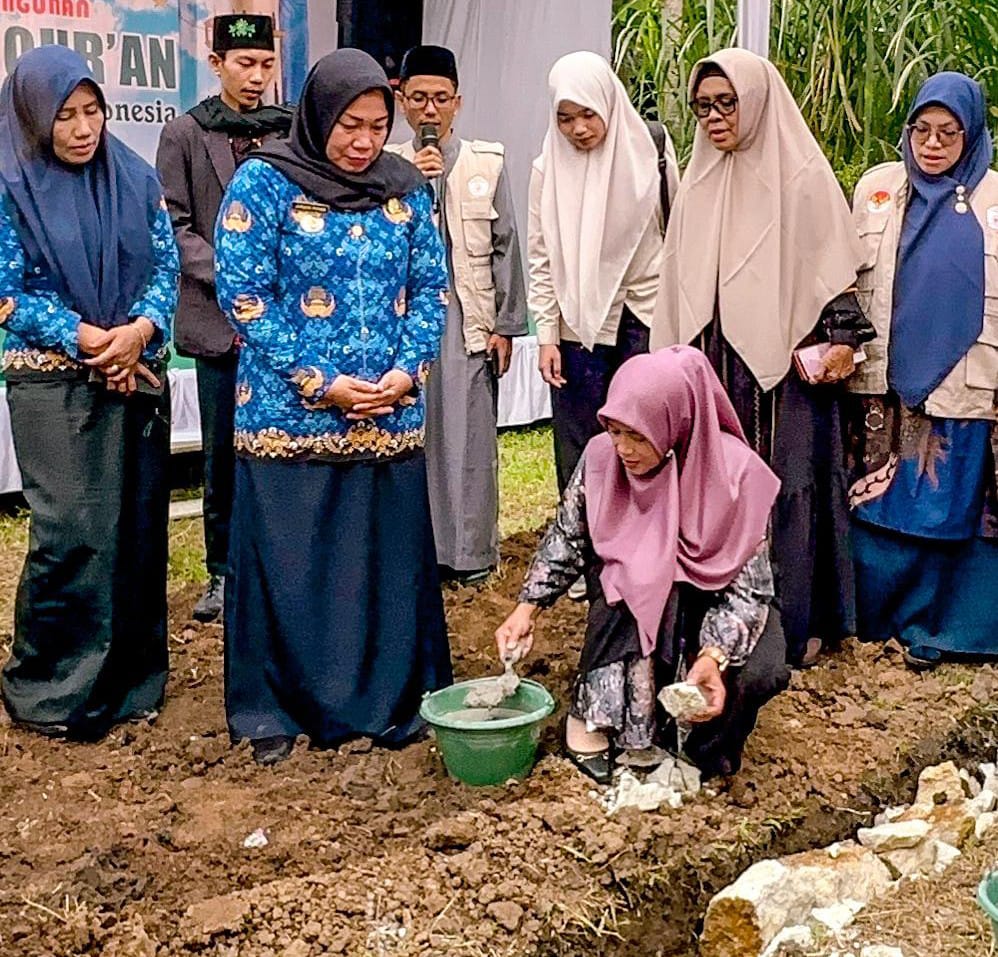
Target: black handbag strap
657, 131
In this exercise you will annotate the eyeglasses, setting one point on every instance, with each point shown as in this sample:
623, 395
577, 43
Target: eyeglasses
420, 99
726, 104
920, 133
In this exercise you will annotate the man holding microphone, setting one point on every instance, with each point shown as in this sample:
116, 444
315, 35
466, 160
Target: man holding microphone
487, 308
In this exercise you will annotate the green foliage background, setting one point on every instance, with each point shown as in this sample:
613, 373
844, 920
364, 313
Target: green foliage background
852, 65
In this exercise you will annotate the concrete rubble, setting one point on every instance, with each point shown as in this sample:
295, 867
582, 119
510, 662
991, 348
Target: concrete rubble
771, 895
780, 907
671, 782
682, 700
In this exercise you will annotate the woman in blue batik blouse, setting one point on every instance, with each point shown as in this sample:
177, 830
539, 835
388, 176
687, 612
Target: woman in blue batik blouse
88, 287
330, 268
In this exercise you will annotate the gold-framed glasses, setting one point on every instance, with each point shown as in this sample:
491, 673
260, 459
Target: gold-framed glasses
920, 134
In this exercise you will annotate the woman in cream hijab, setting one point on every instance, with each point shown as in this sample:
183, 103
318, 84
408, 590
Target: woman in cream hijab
761, 260
594, 243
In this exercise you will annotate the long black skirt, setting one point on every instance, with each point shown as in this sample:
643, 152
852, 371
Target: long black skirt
334, 620
90, 638
799, 430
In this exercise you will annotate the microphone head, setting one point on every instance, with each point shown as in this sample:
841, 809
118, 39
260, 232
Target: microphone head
429, 135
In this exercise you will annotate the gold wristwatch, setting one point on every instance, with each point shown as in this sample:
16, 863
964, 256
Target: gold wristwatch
716, 655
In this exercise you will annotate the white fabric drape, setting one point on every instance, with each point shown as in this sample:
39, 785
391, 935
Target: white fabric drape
504, 50
753, 25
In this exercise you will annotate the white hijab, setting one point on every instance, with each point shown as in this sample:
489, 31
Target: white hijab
763, 230
595, 205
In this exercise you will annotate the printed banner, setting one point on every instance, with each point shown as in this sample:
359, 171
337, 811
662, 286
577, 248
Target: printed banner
132, 47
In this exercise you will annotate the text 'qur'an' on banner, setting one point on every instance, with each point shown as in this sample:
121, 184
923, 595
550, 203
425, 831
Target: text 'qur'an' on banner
132, 47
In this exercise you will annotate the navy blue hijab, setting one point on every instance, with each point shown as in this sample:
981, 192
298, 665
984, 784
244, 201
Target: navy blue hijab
86, 227
939, 285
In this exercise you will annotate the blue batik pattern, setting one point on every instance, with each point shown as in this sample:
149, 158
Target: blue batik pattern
41, 329
315, 293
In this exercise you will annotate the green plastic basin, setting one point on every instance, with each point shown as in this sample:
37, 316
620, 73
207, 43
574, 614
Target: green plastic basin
987, 898
488, 752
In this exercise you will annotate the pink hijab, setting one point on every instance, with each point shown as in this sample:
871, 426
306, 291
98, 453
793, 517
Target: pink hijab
697, 518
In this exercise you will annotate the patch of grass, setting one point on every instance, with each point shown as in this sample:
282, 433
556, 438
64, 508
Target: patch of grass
187, 552
528, 489
14, 530
13, 545
185, 494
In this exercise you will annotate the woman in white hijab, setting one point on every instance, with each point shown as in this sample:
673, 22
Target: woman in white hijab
594, 242
760, 261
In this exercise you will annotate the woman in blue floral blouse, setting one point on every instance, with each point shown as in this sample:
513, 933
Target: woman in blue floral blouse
88, 287
332, 271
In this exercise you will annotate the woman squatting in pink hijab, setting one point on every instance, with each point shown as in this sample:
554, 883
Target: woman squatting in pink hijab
667, 516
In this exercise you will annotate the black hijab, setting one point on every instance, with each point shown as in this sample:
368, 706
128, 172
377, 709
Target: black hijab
331, 86
87, 227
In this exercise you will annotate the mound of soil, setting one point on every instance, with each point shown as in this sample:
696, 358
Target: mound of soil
134, 847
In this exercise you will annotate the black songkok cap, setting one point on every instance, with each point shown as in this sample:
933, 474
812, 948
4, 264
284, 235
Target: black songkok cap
429, 60
242, 31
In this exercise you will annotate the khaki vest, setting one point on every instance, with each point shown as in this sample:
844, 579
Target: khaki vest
969, 391
469, 205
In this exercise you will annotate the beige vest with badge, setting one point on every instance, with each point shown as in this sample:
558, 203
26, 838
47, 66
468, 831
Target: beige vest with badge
969, 391
469, 205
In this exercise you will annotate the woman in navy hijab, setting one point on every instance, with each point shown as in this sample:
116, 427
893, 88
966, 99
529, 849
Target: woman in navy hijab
924, 508
88, 281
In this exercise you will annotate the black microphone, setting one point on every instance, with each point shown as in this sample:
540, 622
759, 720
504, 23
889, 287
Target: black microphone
429, 135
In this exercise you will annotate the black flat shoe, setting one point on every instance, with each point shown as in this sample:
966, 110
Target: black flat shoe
595, 765
269, 751
211, 605
922, 658
42, 728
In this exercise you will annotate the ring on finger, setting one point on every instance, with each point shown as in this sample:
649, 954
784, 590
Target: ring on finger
113, 370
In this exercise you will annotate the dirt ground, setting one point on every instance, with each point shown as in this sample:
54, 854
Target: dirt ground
134, 847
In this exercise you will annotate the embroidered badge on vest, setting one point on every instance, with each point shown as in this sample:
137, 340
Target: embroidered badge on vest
878, 201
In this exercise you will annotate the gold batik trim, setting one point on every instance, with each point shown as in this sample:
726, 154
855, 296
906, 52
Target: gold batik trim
275, 443
37, 360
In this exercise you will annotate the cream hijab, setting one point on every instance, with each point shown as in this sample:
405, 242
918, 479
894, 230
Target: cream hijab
765, 229
596, 205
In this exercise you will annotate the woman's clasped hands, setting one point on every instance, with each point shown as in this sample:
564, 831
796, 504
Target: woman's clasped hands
360, 399
116, 353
